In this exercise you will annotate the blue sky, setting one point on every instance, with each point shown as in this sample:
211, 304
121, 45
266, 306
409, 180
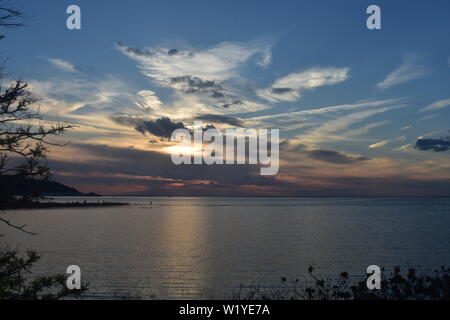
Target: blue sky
389, 87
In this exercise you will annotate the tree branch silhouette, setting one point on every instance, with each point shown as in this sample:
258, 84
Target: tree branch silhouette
21, 228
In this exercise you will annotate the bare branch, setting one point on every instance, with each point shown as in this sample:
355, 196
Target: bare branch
10, 18
21, 228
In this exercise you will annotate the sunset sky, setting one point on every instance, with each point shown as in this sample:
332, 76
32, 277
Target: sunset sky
361, 112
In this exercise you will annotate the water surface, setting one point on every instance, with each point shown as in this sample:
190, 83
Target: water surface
205, 248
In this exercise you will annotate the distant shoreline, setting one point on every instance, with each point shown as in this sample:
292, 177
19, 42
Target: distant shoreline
50, 205
247, 196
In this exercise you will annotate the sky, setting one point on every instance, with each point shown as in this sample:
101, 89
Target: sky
361, 112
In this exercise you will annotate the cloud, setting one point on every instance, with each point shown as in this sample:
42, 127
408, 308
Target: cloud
339, 129
203, 80
217, 118
61, 95
365, 128
133, 51
379, 144
334, 157
146, 172
154, 171
73, 90
126, 120
63, 65
148, 100
437, 105
85, 110
217, 63
295, 149
162, 127
290, 87
207, 88
266, 57
406, 127
190, 84
436, 145
385, 142
428, 117
325, 110
404, 147
334, 123
410, 69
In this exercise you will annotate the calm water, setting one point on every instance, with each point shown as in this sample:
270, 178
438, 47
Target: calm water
206, 247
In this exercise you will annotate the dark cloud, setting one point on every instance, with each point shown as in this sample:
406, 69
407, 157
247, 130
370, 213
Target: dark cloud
136, 51
334, 156
212, 89
436, 145
172, 52
329, 156
217, 94
126, 120
162, 127
233, 103
281, 90
208, 126
127, 168
217, 118
192, 84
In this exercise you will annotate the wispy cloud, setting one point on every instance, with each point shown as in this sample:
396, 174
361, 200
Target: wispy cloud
339, 129
63, 65
358, 132
437, 105
338, 108
148, 100
406, 127
290, 87
66, 94
218, 63
379, 144
428, 117
410, 69
289, 116
383, 143
404, 147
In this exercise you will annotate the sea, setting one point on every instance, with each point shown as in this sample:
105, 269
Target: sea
217, 247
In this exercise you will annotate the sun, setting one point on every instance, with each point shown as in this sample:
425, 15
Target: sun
184, 150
